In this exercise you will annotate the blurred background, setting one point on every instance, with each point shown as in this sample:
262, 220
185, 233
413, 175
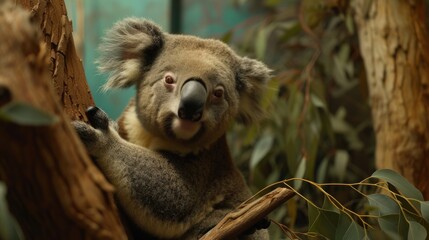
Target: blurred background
318, 124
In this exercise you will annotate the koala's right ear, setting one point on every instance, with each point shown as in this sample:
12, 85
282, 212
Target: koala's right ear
128, 50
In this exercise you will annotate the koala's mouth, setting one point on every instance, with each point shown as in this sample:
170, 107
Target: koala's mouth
183, 129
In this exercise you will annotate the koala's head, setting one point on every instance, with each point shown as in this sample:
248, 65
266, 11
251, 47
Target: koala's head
188, 89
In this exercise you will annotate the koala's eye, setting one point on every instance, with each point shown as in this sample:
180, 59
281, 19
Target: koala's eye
218, 92
169, 79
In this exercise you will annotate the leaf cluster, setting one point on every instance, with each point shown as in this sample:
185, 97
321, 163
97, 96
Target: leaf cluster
318, 124
391, 208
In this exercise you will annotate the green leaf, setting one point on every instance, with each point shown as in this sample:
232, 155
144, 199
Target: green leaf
27, 115
340, 163
391, 220
227, 37
416, 231
348, 229
383, 204
262, 147
317, 101
261, 43
321, 170
271, 3
406, 188
394, 226
322, 221
270, 94
329, 206
300, 173
424, 208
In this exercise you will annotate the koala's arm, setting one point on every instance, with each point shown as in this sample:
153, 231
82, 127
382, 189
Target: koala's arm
161, 197
164, 194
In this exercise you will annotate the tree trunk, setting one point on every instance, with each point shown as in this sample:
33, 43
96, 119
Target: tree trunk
394, 45
54, 190
68, 76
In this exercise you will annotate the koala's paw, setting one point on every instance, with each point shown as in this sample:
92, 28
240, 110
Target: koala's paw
97, 118
262, 224
97, 135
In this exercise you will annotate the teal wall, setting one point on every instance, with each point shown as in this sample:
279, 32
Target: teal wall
211, 18
202, 18
99, 16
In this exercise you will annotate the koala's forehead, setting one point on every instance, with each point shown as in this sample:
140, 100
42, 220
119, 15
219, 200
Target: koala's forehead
190, 46
210, 46
195, 56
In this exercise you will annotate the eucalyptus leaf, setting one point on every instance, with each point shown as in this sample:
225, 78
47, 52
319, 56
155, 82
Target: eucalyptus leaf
271, 3
389, 224
262, 147
322, 221
227, 37
26, 115
329, 206
341, 162
383, 204
261, 42
348, 229
424, 208
399, 182
321, 170
270, 94
416, 231
317, 101
311, 156
300, 173
391, 220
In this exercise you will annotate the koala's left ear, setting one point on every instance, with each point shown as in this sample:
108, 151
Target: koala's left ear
251, 81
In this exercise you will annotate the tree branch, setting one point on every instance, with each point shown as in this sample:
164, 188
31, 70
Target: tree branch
248, 215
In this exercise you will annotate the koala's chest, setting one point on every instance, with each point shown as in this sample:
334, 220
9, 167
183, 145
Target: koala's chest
131, 129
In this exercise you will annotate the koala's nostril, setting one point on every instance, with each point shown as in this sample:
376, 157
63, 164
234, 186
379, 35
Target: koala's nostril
192, 100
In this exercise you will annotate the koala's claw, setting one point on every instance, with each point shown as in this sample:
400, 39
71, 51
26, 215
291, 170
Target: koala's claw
85, 131
97, 118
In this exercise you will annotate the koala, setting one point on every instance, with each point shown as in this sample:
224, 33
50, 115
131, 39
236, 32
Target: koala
167, 155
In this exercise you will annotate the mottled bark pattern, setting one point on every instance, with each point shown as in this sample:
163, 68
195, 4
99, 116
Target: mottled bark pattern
54, 190
394, 46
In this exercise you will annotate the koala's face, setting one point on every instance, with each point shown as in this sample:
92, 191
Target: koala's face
189, 95
188, 89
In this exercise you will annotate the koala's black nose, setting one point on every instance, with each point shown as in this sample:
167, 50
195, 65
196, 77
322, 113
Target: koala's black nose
192, 100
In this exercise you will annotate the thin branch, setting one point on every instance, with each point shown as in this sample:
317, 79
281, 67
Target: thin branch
248, 215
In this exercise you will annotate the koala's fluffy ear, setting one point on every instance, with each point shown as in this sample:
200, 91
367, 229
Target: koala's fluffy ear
128, 49
251, 81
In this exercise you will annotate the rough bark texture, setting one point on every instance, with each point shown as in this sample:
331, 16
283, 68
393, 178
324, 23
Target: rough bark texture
394, 46
54, 190
66, 68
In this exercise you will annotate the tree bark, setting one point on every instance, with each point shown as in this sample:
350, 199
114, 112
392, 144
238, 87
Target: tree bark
248, 215
394, 46
54, 189
68, 76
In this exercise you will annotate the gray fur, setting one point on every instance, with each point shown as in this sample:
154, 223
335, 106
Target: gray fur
129, 39
174, 178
